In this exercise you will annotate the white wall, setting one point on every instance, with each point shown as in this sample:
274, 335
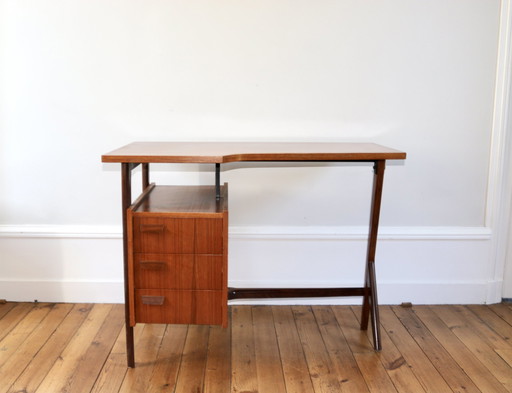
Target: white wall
81, 78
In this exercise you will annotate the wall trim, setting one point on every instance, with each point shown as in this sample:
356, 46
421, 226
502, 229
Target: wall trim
261, 232
68, 291
89, 260
61, 231
360, 233
63, 291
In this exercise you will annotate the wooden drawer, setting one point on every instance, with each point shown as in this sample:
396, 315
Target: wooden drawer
177, 235
163, 235
208, 236
179, 306
178, 271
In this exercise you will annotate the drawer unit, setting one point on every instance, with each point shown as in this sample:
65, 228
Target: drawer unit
177, 256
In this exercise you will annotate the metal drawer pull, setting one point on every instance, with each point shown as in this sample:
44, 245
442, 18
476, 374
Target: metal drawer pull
153, 265
152, 228
153, 300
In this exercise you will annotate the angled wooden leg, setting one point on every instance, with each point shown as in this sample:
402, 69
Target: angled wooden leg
370, 302
374, 309
365, 313
126, 180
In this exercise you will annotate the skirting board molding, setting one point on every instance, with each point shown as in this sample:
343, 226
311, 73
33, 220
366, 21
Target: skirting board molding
260, 232
446, 265
62, 291
61, 231
112, 292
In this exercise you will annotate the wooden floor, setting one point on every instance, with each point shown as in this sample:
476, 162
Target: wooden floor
51, 348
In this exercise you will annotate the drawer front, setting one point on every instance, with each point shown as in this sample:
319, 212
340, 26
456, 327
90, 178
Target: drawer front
178, 271
178, 235
163, 235
179, 306
209, 236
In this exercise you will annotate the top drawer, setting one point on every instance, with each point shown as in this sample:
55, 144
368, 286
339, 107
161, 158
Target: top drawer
177, 235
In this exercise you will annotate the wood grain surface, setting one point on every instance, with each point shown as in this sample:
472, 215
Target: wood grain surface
80, 348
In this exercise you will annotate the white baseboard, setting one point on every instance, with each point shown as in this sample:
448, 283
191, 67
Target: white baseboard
419, 265
61, 231
112, 292
62, 291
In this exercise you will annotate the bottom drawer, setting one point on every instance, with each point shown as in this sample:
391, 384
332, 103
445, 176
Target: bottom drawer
179, 306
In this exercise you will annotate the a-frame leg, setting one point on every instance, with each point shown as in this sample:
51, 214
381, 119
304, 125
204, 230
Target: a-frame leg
370, 301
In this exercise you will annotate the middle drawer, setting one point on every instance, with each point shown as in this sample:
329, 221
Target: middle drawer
177, 271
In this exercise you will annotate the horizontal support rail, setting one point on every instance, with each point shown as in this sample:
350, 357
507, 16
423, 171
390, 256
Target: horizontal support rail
259, 293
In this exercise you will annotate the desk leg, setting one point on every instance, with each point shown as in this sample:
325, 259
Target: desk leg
145, 176
370, 302
126, 189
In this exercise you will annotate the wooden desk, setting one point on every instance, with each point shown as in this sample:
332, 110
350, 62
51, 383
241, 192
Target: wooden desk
217, 153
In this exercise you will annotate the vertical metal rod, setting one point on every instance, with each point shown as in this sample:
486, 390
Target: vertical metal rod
370, 301
217, 181
145, 175
126, 192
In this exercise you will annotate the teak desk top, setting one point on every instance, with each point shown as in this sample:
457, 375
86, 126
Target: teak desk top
223, 152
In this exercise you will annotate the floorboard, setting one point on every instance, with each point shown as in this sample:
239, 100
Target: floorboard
80, 348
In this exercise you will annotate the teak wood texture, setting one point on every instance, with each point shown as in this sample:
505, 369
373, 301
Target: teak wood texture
177, 256
224, 152
80, 348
